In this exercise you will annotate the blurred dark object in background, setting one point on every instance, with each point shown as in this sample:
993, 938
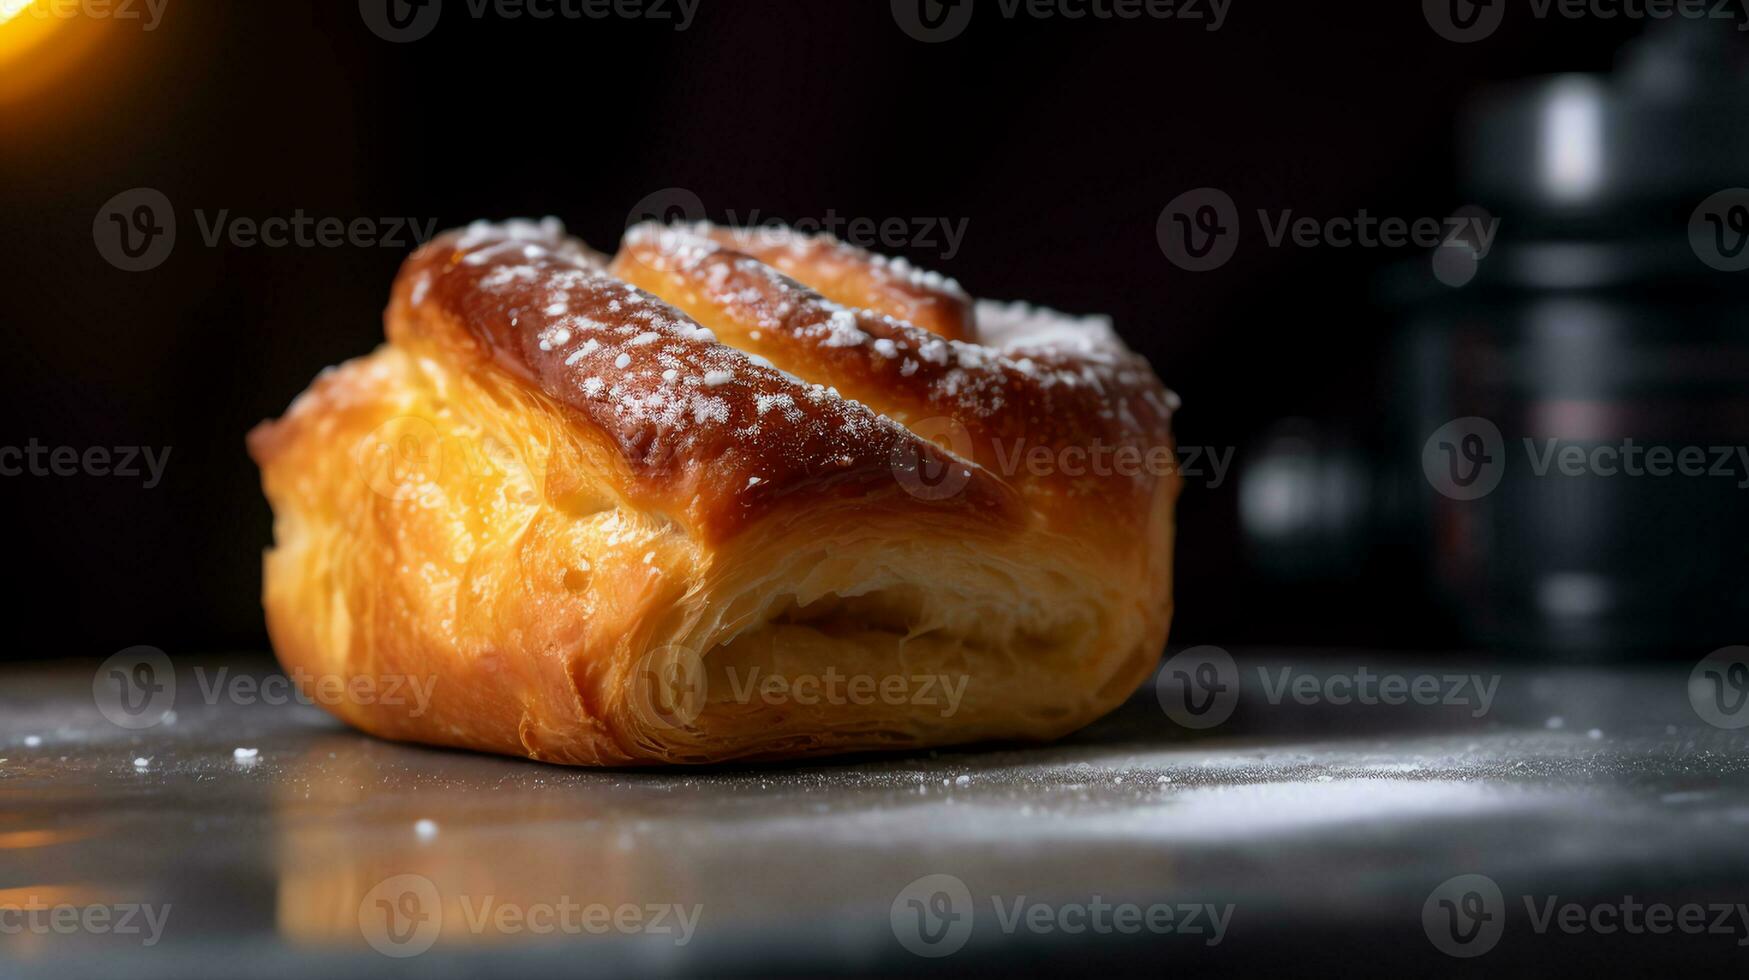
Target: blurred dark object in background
1601, 339
1024, 130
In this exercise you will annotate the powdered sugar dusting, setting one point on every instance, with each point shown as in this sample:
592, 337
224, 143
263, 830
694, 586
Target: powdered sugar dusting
1057, 368
661, 384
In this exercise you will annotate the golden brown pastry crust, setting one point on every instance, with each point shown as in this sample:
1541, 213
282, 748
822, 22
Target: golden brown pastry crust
582, 505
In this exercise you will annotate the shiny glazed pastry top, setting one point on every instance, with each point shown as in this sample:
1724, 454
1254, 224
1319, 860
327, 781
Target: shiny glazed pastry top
732, 494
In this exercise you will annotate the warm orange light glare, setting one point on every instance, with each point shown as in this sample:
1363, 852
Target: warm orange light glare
12, 8
39, 41
22, 28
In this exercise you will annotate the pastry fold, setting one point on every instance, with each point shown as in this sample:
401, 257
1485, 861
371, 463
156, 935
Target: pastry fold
732, 495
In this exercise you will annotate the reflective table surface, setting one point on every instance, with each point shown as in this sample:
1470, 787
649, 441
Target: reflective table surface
1316, 827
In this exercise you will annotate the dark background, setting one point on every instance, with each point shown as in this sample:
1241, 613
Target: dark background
1060, 142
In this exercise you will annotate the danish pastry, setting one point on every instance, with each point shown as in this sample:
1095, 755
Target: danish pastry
732, 494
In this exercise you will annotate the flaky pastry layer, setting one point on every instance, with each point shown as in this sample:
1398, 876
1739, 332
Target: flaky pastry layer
719, 499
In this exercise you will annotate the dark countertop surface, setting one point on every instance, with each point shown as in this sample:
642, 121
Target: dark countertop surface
1297, 833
